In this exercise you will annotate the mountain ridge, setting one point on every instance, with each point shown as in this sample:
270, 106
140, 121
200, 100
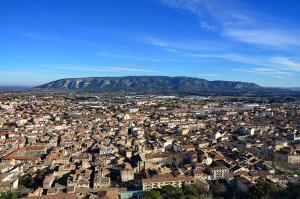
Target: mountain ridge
152, 84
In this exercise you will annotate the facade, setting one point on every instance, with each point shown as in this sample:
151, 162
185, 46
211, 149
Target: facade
102, 182
127, 174
159, 182
218, 173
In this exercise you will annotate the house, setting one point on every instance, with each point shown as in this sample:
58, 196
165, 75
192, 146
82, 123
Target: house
218, 172
48, 181
102, 182
288, 155
163, 180
127, 173
200, 175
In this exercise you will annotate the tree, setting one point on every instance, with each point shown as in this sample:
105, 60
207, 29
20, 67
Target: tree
219, 189
201, 196
9, 195
199, 187
176, 158
190, 197
153, 194
27, 181
218, 197
264, 190
238, 188
189, 190
292, 191
171, 192
39, 174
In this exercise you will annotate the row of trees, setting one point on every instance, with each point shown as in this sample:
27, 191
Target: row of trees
262, 190
170, 192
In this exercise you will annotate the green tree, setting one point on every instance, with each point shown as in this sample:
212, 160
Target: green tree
171, 192
201, 196
218, 197
27, 181
153, 194
189, 190
8, 195
264, 190
190, 197
40, 173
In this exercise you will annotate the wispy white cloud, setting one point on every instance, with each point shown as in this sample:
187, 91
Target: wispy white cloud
281, 77
42, 37
172, 50
237, 21
134, 57
45, 37
286, 62
207, 26
216, 12
22, 57
231, 57
271, 71
184, 45
274, 72
200, 51
219, 51
127, 69
265, 37
125, 56
84, 68
210, 75
156, 42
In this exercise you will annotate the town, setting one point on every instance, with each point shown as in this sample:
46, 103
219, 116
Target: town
84, 145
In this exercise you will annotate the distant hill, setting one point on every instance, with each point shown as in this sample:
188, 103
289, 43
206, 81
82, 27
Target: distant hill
154, 84
13, 88
294, 88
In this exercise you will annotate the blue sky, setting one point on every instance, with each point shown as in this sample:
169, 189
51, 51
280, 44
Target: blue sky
239, 40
